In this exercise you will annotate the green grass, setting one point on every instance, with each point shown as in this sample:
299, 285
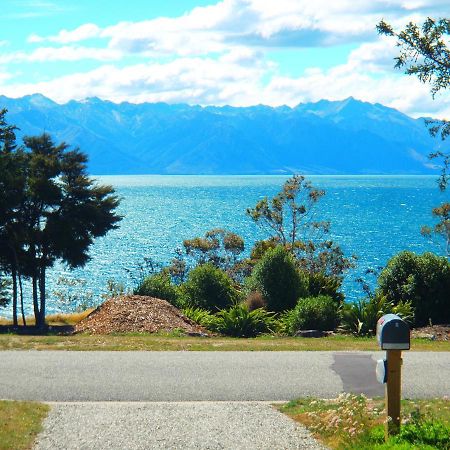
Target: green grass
357, 423
175, 342
20, 422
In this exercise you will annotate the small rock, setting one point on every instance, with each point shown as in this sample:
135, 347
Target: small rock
311, 333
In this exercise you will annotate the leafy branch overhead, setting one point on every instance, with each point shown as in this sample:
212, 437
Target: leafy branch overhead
424, 52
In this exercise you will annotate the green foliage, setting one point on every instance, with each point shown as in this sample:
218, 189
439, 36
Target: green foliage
289, 219
361, 317
278, 280
199, 315
425, 53
417, 431
159, 285
286, 216
312, 313
423, 281
353, 422
218, 247
210, 288
51, 210
260, 248
239, 321
322, 284
5, 294
442, 227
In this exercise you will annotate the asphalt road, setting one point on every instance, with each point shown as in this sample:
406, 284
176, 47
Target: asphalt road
60, 376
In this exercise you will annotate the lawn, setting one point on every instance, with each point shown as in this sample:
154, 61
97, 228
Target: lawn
174, 342
355, 422
20, 422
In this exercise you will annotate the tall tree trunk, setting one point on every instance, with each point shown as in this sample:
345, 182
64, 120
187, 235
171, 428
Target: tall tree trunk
35, 299
42, 297
14, 306
21, 300
17, 275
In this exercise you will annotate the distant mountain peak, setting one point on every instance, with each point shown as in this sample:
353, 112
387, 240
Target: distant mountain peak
347, 136
40, 100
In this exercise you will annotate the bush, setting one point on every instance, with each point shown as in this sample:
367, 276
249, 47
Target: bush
322, 284
422, 280
198, 315
417, 431
312, 313
160, 286
278, 280
361, 317
239, 321
255, 300
209, 288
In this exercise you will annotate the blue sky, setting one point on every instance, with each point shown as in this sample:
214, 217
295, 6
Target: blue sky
238, 52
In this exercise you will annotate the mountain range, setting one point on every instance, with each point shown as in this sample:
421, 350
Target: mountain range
326, 137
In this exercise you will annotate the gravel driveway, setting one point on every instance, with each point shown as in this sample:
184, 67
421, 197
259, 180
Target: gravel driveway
182, 425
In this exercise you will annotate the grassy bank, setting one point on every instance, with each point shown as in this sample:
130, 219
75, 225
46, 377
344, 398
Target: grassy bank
20, 422
127, 342
354, 422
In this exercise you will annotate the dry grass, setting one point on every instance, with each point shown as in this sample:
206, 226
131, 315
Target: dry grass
20, 422
348, 421
52, 319
175, 342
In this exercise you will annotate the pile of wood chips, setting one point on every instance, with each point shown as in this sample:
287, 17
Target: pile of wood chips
432, 332
137, 314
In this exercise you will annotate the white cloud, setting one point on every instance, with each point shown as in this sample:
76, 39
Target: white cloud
191, 80
227, 81
255, 23
82, 33
218, 55
66, 53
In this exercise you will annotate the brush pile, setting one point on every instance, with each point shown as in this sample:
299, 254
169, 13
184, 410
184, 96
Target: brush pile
137, 314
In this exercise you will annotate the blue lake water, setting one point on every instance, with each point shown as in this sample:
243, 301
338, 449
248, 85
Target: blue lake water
373, 217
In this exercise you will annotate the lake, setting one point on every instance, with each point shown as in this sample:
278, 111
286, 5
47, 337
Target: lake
373, 217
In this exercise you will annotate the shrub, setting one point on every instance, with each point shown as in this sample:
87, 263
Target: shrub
278, 280
418, 430
317, 313
239, 321
361, 317
160, 286
255, 300
210, 288
322, 284
199, 315
422, 280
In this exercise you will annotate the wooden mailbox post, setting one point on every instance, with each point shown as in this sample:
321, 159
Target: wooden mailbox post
393, 336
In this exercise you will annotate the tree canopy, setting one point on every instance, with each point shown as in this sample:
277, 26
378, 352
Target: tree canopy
425, 53
50, 210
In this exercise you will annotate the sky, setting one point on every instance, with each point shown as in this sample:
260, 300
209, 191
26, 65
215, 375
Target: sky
209, 52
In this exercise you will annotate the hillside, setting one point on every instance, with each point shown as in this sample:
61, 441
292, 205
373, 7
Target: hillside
341, 137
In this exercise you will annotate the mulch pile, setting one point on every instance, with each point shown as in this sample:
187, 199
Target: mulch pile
435, 332
136, 314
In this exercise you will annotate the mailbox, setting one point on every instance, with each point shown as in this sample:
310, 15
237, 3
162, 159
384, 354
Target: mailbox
393, 333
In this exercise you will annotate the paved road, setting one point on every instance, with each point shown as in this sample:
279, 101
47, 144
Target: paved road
209, 376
